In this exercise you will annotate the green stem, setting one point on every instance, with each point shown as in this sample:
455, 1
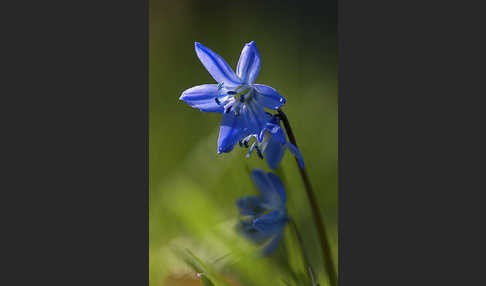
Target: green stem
304, 254
321, 230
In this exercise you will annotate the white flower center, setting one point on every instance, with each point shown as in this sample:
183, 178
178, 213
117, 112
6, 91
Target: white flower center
234, 99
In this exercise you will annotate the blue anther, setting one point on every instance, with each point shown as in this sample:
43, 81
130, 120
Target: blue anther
231, 92
242, 98
227, 110
217, 101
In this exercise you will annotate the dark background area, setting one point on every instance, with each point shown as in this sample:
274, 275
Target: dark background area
74, 208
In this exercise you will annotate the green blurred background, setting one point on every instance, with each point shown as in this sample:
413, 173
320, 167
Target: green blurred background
192, 188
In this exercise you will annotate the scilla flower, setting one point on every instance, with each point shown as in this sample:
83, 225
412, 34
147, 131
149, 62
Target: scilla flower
263, 218
235, 95
273, 144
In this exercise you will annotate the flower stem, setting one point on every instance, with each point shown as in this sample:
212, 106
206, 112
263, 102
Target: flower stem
304, 254
321, 230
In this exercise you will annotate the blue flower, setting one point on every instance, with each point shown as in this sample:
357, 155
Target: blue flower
235, 95
264, 217
273, 144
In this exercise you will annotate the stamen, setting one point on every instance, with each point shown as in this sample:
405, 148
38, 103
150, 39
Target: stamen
217, 101
231, 92
251, 150
242, 98
227, 110
265, 141
240, 86
220, 85
230, 103
246, 90
236, 108
244, 142
259, 152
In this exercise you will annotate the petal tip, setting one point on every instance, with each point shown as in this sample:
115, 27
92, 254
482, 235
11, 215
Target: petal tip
301, 163
198, 46
252, 43
184, 96
272, 165
225, 149
220, 149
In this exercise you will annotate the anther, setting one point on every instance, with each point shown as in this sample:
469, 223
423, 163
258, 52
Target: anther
220, 85
231, 92
217, 101
227, 110
242, 98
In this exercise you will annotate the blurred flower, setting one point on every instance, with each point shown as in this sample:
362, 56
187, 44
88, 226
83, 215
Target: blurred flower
236, 96
273, 144
264, 217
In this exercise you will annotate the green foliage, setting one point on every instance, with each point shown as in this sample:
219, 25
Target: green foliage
205, 281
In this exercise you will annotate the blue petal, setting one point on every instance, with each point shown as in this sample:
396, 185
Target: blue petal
270, 122
272, 223
249, 63
203, 98
278, 187
246, 228
272, 245
233, 129
271, 198
269, 97
261, 181
274, 153
217, 66
276, 132
296, 153
250, 205
256, 118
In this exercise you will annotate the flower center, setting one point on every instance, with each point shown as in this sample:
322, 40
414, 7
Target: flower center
233, 99
260, 147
